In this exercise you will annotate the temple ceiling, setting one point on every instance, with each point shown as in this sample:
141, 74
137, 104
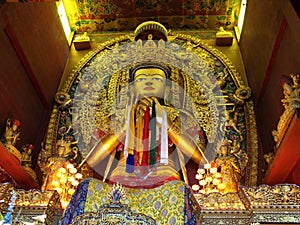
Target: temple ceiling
116, 15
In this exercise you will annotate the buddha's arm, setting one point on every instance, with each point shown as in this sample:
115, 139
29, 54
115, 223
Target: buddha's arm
186, 144
105, 147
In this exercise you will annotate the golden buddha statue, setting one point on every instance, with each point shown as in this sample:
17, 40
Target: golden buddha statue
136, 166
141, 109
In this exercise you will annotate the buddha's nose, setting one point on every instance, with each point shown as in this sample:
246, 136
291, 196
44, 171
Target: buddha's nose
149, 83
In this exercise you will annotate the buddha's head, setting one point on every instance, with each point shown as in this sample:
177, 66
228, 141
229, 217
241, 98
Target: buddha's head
150, 80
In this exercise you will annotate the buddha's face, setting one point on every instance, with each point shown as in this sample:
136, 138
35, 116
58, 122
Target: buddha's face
150, 82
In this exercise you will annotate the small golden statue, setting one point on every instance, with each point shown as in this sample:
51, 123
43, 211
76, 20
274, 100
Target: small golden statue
61, 175
27, 155
11, 136
291, 104
291, 91
65, 148
26, 161
229, 168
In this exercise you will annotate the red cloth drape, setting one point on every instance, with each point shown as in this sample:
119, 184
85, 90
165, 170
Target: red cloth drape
145, 158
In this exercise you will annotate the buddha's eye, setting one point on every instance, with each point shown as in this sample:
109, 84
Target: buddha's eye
140, 79
157, 79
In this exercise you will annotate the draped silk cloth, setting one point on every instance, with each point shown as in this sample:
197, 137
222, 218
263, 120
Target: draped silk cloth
145, 157
164, 153
167, 204
139, 141
153, 143
142, 145
131, 140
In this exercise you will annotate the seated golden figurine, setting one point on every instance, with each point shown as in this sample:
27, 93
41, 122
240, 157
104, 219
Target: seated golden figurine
229, 169
291, 91
65, 148
12, 133
27, 155
152, 146
11, 136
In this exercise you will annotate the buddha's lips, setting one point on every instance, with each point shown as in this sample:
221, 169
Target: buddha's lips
148, 88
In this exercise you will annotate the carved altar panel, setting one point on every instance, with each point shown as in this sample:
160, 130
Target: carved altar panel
113, 214
30, 206
274, 204
263, 204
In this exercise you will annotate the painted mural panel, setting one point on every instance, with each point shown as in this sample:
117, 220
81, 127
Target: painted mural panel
116, 15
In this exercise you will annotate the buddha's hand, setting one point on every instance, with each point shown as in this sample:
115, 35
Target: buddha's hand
148, 102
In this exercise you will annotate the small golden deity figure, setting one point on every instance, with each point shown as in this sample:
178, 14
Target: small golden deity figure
11, 136
291, 104
291, 91
27, 151
65, 148
62, 159
61, 174
229, 168
26, 160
